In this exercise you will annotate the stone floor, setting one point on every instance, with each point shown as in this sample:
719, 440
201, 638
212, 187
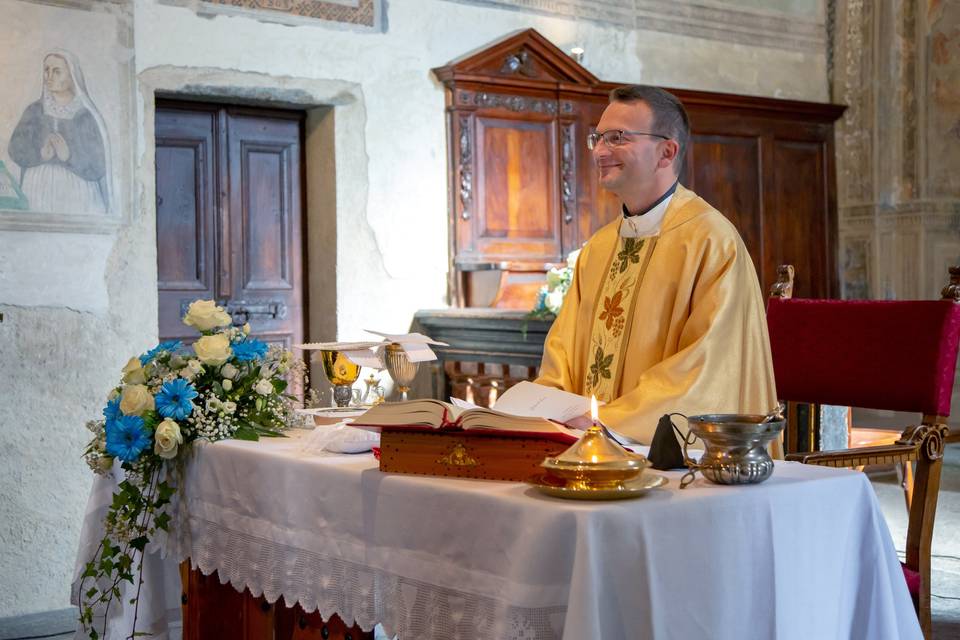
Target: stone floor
946, 544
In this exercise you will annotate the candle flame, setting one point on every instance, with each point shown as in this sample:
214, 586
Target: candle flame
594, 412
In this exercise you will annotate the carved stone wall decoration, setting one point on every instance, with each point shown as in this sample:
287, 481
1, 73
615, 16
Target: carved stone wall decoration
855, 263
897, 165
943, 100
854, 176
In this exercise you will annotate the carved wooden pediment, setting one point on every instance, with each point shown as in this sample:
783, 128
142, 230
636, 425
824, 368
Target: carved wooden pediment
526, 56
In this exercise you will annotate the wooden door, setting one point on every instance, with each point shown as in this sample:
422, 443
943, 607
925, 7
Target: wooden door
230, 217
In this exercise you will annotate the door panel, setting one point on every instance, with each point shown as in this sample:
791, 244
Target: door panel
798, 218
186, 215
517, 188
265, 221
727, 175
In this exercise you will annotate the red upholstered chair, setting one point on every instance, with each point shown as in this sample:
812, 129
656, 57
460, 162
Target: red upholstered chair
890, 355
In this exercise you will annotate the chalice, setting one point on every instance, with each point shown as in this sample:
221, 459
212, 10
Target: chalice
342, 372
400, 368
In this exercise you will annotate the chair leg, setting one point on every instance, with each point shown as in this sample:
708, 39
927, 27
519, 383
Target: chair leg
905, 477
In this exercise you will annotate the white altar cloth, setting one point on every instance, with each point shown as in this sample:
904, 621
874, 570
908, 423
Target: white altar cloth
804, 555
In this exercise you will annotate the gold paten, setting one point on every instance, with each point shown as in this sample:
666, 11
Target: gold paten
595, 462
458, 457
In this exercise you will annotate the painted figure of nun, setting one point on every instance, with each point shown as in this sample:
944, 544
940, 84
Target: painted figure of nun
61, 144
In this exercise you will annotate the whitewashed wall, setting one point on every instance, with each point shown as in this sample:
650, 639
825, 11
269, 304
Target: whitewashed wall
77, 305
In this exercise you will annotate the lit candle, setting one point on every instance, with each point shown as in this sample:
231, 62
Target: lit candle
594, 411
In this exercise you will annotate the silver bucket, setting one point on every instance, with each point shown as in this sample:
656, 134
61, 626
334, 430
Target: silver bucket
735, 447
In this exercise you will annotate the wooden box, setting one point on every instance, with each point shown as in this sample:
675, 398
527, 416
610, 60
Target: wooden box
466, 454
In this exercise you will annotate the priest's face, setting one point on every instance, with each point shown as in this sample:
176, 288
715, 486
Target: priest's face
635, 165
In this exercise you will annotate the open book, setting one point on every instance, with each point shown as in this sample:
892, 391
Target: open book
526, 408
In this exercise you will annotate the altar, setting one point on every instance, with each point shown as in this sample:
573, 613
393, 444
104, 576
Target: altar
805, 554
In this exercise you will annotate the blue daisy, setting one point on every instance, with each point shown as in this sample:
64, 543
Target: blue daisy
127, 438
112, 411
174, 399
249, 350
169, 345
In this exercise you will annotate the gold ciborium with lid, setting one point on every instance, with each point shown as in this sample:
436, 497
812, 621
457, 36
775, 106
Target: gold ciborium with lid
400, 368
597, 467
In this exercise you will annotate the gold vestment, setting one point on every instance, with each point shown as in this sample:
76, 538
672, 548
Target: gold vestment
697, 341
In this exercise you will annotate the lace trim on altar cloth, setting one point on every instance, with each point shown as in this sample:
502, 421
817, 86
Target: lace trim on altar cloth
409, 608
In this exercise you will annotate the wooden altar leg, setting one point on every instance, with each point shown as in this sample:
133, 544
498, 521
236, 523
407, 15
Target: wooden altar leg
214, 611
295, 624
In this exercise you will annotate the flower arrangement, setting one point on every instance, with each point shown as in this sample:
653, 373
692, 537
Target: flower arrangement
230, 386
550, 296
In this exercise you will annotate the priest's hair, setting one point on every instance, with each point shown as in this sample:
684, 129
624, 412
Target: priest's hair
669, 116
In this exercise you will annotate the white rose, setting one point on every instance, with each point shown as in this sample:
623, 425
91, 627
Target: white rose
205, 315
213, 405
572, 258
192, 368
227, 384
213, 350
167, 438
265, 371
263, 387
246, 329
554, 278
135, 399
229, 407
553, 300
133, 372
229, 371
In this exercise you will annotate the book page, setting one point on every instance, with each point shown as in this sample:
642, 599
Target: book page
459, 406
531, 399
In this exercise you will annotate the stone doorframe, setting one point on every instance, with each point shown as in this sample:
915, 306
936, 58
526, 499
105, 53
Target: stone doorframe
335, 170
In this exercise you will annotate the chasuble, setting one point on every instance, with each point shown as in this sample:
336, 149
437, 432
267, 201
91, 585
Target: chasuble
669, 322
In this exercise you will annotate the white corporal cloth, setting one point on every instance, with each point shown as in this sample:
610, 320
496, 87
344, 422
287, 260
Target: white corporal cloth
805, 554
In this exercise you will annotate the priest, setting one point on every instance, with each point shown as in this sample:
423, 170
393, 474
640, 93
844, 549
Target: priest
664, 312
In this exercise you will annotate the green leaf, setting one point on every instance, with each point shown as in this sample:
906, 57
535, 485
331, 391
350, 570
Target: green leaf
162, 521
139, 543
246, 433
92, 591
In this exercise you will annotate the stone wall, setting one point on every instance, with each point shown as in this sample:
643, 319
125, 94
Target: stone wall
78, 292
897, 65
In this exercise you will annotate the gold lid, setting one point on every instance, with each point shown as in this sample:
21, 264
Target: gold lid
596, 459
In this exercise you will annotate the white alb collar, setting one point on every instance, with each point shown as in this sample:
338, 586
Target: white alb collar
646, 225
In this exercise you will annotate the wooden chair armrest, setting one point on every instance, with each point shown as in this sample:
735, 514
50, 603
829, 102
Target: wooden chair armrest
884, 454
